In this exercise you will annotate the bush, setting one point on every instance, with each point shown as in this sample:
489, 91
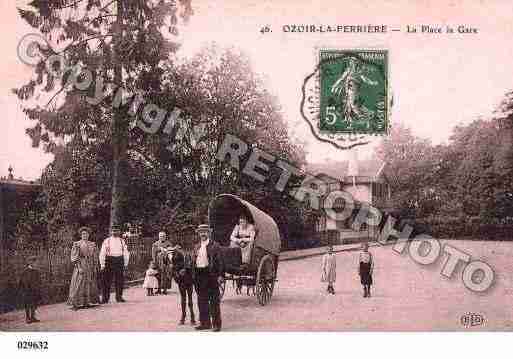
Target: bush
457, 227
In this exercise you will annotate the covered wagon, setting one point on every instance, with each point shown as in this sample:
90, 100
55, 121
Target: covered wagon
260, 274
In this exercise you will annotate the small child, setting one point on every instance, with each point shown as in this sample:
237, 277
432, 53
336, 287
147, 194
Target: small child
150, 281
329, 269
365, 269
29, 289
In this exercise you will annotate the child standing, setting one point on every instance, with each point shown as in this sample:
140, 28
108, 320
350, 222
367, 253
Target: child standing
150, 281
329, 269
29, 289
365, 269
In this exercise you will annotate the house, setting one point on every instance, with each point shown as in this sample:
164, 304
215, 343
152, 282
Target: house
365, 181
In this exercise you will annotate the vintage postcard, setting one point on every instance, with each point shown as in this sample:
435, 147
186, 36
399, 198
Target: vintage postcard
189, 166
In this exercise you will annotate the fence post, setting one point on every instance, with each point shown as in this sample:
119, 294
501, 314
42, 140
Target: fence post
49, 256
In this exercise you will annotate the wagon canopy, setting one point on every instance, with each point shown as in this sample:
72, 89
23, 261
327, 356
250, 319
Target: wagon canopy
224, 212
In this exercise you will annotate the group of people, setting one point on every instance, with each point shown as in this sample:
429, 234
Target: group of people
112, 260
87, 261
201, 269
159, 276
365, 269
171, 261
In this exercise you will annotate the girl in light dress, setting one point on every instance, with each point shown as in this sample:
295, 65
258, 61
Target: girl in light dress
150, 281
329, 269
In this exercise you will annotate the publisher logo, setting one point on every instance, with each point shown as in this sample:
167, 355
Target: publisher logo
472, 320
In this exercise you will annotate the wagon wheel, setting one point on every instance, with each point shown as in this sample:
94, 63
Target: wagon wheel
265, 280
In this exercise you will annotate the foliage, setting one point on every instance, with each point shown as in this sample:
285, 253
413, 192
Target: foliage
409, 160
171, 189
456, 184
121, 43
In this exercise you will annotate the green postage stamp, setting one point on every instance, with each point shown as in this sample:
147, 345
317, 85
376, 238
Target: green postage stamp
347, 96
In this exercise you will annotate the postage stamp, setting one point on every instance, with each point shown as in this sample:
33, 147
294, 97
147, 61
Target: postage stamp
346, 98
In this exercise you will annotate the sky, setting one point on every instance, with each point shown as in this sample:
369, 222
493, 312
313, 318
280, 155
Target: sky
437, 80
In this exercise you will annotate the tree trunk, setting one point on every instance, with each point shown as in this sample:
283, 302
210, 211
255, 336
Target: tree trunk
119, 133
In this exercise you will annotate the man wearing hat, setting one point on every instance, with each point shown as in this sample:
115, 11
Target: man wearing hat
208, 272
114, 258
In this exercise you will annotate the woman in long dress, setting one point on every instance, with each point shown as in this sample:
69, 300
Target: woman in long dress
243, 236
160, 253
83, 289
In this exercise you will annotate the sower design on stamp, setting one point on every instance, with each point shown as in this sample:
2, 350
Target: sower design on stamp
346, 98
353, 87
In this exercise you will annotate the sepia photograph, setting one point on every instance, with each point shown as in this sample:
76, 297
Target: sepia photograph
241, 166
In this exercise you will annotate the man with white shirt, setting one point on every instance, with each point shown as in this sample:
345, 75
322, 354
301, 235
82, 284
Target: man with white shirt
114, 258
208, 273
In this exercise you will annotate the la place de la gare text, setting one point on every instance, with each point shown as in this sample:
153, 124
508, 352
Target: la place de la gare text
372, 29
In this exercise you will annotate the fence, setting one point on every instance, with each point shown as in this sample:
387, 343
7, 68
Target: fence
56, 268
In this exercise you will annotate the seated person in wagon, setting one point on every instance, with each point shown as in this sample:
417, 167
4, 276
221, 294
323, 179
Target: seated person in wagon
243, 236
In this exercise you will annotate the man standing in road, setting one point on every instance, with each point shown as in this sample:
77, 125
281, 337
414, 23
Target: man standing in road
208, 272
114, 258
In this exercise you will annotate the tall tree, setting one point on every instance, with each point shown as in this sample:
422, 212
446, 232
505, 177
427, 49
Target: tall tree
118, 42
217, 91
504, 156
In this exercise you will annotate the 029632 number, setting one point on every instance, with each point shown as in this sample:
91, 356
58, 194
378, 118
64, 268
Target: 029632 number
29, 345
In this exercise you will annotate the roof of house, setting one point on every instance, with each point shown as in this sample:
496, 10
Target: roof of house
20, 185
11, 181
338, 170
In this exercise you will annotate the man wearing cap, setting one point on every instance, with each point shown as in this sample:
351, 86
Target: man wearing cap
208, 273
114, 258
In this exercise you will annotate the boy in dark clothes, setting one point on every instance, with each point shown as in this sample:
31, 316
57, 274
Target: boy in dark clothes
29, 290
